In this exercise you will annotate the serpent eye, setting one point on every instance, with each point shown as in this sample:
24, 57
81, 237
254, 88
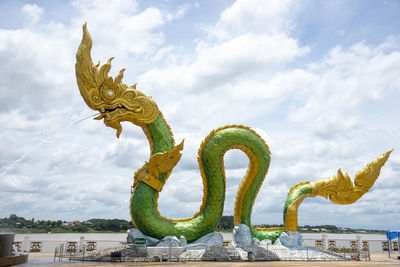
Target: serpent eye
110, 93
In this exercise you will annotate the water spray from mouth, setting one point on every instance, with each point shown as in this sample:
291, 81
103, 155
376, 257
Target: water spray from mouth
34, 148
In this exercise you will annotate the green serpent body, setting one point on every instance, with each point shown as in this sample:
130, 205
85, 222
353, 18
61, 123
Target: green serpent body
118, 102
295, 198
143, 200
296, 194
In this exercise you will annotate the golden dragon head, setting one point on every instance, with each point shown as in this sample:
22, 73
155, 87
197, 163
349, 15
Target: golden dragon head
115, 100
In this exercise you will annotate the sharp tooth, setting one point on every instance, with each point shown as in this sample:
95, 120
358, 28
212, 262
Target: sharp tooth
102, 109
99, 117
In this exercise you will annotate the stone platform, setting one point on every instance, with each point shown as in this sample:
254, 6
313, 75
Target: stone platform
260, 253
289, 246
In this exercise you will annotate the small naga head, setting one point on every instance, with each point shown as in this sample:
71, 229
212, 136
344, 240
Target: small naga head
115, 100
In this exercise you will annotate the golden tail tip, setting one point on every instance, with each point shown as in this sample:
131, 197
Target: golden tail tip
387, 153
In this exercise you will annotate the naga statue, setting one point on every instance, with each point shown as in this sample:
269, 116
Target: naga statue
118, 102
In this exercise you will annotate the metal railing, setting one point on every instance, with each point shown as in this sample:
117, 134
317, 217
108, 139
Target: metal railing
87, 251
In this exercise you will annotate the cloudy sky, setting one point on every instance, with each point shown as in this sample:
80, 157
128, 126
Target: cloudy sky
319, 80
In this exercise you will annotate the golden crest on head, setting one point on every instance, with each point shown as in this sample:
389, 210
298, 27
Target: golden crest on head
115, 100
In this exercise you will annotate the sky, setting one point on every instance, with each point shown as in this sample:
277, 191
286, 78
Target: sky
318, 80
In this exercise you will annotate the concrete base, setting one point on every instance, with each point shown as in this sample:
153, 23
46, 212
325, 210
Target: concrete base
13, 260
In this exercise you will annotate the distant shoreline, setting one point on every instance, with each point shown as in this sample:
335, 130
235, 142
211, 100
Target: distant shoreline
20, 225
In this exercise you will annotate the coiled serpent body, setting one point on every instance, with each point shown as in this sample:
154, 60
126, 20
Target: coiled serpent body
143, 200
118, 102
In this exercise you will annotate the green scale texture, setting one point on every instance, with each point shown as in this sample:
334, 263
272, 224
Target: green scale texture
295, 193
144, 197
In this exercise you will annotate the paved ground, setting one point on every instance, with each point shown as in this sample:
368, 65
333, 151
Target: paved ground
377, 260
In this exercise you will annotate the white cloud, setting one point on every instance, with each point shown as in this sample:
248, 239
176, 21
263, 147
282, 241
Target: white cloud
339, 111
218, 64
39, 97
347, 81
32, 13
31, 68
270, 17
119, 28
181, 11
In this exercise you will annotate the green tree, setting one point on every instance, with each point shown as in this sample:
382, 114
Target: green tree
226, 223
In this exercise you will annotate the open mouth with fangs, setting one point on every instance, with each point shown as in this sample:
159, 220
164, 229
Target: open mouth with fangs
111, 113
114, 116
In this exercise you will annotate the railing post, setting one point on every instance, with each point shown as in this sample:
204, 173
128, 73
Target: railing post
325, 242
344, 253
60, 251
359, 242
81, 242
169, 256
25, 244
398, 241
307, 252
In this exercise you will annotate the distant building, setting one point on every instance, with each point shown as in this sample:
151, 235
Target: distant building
88, 224
75, 223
